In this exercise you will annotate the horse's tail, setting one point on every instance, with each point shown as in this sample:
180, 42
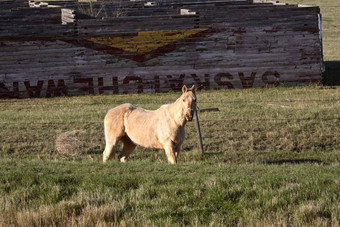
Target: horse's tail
114, 128
114, 120
127, 113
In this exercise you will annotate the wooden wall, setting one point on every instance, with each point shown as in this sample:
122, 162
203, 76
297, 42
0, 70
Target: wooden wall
225, 44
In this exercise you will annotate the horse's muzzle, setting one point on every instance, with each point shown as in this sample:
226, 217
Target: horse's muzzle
190, 117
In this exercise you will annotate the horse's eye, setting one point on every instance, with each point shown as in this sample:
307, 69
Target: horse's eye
183, 100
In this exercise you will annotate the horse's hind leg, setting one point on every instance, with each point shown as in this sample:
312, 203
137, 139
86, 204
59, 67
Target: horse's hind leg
111, 138
114, 129
128, 147
110, 147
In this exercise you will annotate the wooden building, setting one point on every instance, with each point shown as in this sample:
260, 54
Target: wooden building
69, 48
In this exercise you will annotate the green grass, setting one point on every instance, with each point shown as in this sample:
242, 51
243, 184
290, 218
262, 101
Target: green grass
65, 192
271, 158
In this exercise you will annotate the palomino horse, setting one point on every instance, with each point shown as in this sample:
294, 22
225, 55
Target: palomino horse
162, 128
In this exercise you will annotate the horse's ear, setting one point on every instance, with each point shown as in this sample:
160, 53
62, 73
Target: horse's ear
184, 89
193, 89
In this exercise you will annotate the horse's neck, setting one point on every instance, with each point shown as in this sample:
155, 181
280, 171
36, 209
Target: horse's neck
176, 113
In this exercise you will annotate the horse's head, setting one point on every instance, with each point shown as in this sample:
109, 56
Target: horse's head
189, 102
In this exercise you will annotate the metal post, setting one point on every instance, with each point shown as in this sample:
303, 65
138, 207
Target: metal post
200, 142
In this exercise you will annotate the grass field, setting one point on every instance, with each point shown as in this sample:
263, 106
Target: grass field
272, 158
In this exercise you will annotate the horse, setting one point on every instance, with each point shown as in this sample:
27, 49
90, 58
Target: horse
161, 129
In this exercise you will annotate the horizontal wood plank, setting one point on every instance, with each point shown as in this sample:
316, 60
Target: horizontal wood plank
222, 45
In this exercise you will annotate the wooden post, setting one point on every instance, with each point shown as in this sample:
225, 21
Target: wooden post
200, 142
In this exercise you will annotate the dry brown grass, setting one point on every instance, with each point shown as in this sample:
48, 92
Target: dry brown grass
70, 142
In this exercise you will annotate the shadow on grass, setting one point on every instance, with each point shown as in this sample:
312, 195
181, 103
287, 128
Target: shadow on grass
331, 76
208, 154
296, 161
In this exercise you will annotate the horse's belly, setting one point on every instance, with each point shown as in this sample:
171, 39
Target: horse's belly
141, 128
145, 139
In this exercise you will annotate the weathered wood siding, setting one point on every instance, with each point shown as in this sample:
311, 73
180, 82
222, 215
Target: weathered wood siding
229, 44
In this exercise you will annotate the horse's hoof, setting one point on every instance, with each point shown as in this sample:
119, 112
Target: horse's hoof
123, 159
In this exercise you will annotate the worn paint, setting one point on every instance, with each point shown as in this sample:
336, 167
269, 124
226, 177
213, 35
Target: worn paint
139, 84
219, 47
146, 41
145, 45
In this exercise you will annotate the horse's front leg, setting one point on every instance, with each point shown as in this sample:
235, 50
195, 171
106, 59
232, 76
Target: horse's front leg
170, 152
177, 149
